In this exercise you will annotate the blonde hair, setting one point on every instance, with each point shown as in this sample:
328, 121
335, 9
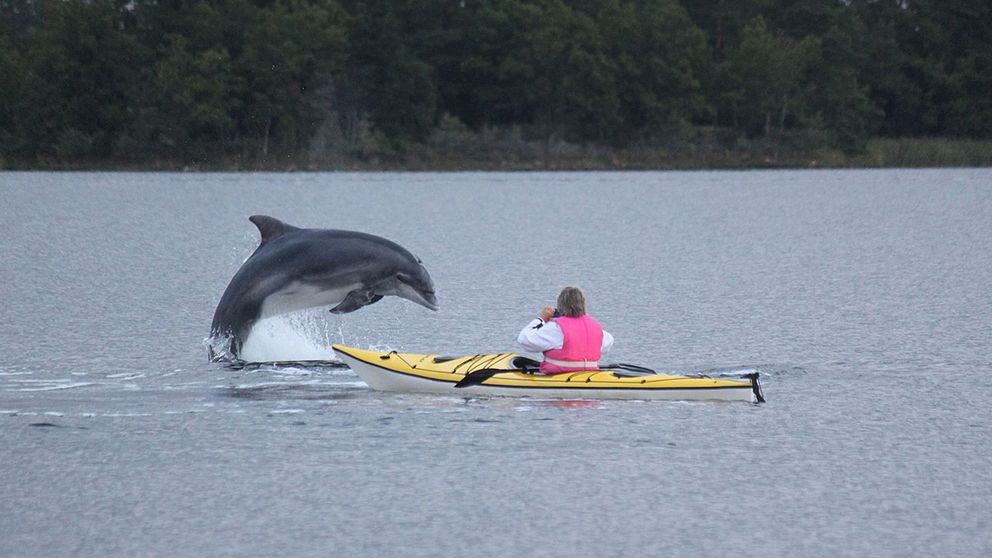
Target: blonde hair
571, 302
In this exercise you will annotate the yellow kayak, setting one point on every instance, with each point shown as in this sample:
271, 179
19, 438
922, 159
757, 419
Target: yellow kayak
508, 374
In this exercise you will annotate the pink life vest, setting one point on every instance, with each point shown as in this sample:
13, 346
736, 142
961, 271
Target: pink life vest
581, 349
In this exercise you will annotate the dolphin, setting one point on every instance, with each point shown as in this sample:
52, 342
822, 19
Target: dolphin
295, 268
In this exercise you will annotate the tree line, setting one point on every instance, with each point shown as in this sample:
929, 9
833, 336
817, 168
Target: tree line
139, 79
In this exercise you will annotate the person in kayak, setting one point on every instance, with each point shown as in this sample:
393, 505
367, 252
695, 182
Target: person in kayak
570, 341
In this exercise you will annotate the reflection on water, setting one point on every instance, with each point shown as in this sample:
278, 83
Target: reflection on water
573, 404
283, 392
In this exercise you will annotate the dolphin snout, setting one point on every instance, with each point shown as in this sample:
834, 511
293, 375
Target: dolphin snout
428, 300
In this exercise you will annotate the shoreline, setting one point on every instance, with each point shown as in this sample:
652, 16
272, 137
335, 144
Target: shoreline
481, 156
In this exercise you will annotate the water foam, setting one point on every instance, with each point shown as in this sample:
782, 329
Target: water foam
296, 337
47, 385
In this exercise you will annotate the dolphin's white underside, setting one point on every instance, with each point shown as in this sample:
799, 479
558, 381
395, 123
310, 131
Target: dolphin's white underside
297, 296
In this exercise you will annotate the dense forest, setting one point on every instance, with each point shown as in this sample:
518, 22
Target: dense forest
331, 81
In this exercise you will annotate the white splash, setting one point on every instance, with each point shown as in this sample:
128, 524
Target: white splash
298, 336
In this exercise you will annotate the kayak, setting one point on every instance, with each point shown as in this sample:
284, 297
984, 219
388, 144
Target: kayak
508, 374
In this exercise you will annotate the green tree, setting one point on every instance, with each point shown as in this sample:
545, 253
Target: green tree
659, 57
292, 48
493, 70
959, 40
487, 58
13, 77
140, 78
724, 21
543, 65
192, 102
441, 34
764, 75
840, 103
84, 73
883, 69
386, 77
927, 65
573, 85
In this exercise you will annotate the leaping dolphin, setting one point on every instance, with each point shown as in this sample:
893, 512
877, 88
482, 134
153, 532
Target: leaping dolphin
295, 268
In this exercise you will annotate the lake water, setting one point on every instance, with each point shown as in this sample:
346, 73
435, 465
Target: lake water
862, 297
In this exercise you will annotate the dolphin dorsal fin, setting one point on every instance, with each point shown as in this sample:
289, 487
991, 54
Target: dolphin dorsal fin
270, 227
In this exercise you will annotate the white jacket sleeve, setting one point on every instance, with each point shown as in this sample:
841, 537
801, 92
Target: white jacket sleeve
538, 336
607, 342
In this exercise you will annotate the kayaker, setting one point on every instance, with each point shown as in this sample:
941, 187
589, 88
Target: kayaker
570, 341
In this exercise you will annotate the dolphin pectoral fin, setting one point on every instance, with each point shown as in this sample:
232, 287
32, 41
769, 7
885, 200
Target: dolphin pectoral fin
355, 300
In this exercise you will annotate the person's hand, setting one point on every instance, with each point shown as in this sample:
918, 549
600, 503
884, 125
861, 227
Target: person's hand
547, 313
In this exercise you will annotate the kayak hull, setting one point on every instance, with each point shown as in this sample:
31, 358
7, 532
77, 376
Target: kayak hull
419, 373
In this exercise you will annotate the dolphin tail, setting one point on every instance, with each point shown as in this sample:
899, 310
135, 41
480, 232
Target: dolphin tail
223, 347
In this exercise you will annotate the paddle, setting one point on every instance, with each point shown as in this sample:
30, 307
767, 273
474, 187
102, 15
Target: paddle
479, 376
633, 369
620, 369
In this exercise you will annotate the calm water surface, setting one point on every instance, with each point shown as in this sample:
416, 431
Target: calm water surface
863, 298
